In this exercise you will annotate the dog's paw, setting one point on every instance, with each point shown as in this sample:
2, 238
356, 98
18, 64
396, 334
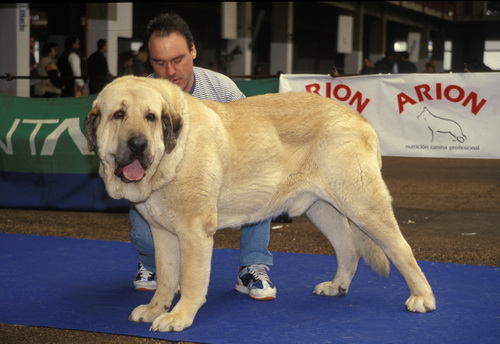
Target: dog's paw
174, 321
146, 313
330, 288
421, 304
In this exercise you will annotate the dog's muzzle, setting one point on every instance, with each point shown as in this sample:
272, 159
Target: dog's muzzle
133, 170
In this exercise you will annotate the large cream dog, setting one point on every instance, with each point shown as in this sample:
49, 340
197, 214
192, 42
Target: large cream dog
192, 167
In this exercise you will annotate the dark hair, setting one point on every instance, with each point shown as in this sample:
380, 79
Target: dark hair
47, 48
68, 43
101, 43
389, 53
126, 55
165, 24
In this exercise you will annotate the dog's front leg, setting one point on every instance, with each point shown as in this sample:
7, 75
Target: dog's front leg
167, 268
196, 246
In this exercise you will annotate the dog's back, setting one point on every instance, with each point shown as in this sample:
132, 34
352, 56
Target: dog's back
297, 117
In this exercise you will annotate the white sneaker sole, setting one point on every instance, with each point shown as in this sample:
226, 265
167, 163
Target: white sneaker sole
145, 286
254, 294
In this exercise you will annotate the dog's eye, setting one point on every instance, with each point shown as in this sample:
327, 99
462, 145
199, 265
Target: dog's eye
119, 115
151, 117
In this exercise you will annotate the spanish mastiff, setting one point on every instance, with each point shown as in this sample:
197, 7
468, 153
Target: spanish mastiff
192, 167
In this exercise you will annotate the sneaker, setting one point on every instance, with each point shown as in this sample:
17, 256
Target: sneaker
144, 280
254, 281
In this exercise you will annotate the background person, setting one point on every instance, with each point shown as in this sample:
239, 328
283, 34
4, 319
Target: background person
33, 66
405, 65
367, 66
386, 64
140, 64
430, 67
97, 68
476, 65
69, 64
126, 63
51, 87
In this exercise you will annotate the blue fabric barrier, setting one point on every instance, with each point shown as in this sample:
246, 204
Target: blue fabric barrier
56, 191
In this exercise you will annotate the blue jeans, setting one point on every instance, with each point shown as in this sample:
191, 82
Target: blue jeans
254, 241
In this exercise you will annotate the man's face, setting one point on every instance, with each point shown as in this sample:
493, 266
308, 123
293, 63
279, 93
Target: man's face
172, 60
53, 52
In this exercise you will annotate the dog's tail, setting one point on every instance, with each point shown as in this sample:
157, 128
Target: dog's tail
371, 253
369, 250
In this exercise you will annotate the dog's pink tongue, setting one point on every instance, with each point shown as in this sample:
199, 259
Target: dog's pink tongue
134, 171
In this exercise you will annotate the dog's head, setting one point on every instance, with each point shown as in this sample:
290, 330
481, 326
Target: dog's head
133, 123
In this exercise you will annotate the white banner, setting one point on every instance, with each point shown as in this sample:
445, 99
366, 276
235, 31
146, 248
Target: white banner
419, 115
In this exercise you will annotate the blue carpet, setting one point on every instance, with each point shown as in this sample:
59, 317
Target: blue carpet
86, 285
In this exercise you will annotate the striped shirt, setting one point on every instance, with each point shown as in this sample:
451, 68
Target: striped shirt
210, 85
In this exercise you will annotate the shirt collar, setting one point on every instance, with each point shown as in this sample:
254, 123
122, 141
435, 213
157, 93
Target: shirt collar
194, 84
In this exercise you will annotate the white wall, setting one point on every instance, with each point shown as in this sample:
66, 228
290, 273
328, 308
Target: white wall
110, 30
15, 38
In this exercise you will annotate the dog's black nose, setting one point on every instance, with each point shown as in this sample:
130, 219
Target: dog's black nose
137, 144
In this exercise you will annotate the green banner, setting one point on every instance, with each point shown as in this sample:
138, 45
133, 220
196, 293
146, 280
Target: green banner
259, 86
45, 135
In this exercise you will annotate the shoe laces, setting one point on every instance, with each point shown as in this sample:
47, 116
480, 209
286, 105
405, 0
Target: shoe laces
259, 272
144, 273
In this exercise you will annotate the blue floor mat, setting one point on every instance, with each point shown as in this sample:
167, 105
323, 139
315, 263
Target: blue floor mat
87, 285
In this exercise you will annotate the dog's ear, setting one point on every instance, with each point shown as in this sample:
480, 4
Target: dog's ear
91, 122
172, 125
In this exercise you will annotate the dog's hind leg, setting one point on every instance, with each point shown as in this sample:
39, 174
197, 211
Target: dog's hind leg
363, 197
336, 229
